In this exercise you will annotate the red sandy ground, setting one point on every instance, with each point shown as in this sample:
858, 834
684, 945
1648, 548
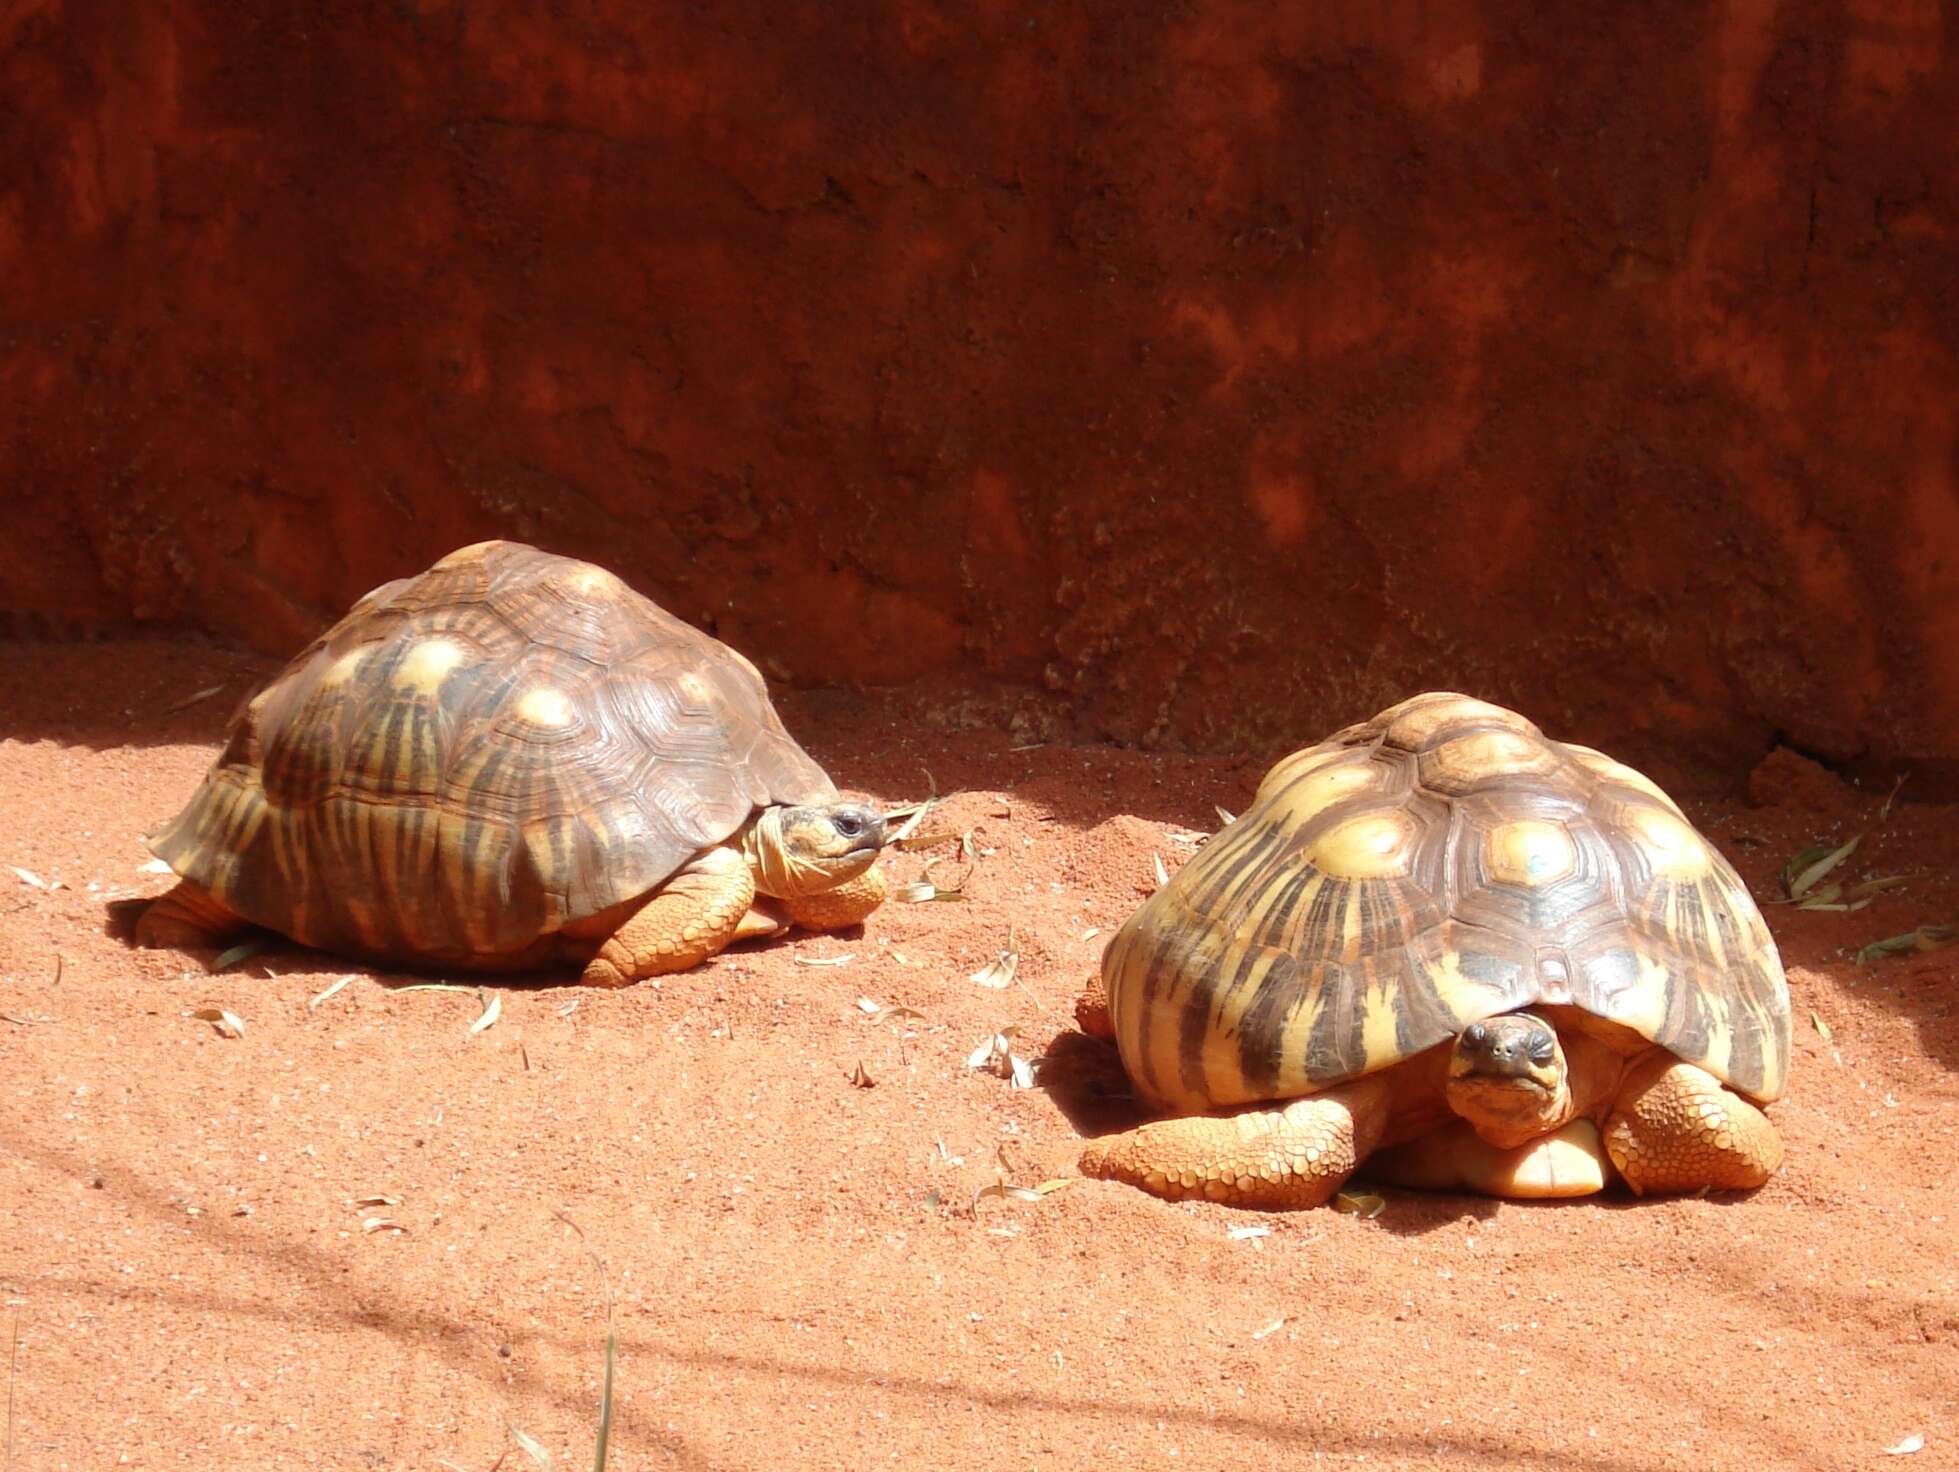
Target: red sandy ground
801, 1274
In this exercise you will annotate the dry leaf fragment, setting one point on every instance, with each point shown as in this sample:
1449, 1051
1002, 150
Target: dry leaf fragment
860, 1079
1809, 866
314, 1001
228, 1024
1912, 1443
1226, 818
1359, 1204
492, 1010
28, 876
822, 960
369, 1202
1161, 874
189, 700
1925, 938
1822, 1027
1270, 1329
1872, 887
570, 1007
1000, 973
531, 1447
243, 951
1022, 1193
382, 1224
996, 1054
1090, 933
1240, 1234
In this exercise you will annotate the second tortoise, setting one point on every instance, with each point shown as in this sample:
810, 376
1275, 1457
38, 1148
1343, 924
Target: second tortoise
1446, 947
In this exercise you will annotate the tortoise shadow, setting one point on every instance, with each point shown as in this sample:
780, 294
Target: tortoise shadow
280, 955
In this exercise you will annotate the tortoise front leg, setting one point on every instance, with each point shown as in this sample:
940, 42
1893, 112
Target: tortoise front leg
689, 918
1296, 1155
185, 918
1675, 1127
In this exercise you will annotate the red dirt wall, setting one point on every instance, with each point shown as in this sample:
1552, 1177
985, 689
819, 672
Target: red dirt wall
1225, 374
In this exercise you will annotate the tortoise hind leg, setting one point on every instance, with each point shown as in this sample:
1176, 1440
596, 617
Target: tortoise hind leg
1292, 1156
1675, 1127
689, 918
186, 918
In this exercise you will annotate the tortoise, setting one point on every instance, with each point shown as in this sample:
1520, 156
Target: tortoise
1470, 956
509, 761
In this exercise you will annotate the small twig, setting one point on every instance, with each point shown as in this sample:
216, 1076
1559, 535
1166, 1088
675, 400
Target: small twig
13, 1357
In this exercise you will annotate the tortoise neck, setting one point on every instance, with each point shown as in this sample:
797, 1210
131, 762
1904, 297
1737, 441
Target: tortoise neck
768, 860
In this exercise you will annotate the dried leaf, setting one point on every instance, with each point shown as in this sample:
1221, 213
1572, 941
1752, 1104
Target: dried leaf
913, 813
1091, 932
1876, 886
1270, 1329
570, 1007
1912, 1443
28, 876
368, 1202
1925, 938
1358, 1204
189, 700
314, 1001
382, 1224
1891, 797
1020, 1073
1021, 1193
1822, 1027
842, 960
885, 1011
1239, 1234
915, 894
1812, 864
492, 1010
1161, 874
531, 1447
243, 951
227, 1023
860, 1079
1822, 897
1226, 818
998, 974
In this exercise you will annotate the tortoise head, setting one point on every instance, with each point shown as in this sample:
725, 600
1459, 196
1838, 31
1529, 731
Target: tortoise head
814, 848
1507, 1077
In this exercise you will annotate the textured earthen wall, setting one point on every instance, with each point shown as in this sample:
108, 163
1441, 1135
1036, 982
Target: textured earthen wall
1230, 368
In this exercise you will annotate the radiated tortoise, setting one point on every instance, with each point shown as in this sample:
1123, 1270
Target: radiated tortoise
509, 761
1467, 955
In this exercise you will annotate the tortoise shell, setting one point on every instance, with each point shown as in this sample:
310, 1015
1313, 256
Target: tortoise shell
1439, 864
475, 757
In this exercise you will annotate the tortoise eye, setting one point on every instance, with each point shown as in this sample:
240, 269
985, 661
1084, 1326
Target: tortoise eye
1543, 1047
849, 827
